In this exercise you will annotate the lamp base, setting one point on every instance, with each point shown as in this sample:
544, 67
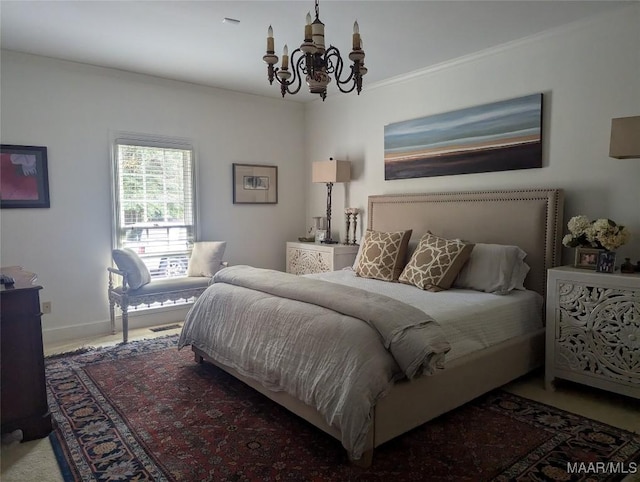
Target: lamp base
329, 241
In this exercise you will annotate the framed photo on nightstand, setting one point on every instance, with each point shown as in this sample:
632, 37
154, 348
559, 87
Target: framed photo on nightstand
586, 258
606, 262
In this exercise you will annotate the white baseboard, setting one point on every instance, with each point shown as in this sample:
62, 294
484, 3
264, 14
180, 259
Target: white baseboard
140, 318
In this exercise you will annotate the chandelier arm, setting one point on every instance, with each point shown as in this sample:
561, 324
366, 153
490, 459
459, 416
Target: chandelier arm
353, 80
346, 91
296, 78
330, 54
337, 68
296, 68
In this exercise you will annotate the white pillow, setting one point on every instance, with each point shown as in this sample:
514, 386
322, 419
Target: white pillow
206, 258
518, 276
494, 268
128, 261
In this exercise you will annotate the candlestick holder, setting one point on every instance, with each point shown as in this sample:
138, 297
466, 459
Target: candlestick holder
349, 212
355, 225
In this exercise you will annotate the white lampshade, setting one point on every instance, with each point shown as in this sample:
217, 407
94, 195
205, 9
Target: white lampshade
331, 171
625, 138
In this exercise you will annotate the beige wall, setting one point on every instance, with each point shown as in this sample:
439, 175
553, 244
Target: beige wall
589, 73
71, 109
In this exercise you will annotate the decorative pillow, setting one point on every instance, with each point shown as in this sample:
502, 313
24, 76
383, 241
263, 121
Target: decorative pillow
128, 261
435, 263
382, 255
494, 268
206, 258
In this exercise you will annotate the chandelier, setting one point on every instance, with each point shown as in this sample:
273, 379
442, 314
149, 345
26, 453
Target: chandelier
315, 63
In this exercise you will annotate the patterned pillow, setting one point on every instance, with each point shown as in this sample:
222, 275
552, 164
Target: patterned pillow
382, 255
435, 263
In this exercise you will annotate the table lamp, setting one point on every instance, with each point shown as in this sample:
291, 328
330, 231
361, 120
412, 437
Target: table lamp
329, 172
625, 138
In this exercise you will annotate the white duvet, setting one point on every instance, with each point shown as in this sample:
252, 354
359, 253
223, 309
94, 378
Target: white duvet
471, 320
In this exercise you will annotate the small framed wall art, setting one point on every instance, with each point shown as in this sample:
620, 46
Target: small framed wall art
255, 184
24, 178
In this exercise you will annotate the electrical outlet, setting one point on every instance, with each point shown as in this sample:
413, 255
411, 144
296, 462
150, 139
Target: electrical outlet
46, 307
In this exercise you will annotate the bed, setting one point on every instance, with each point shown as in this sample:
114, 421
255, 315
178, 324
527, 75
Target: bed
529, 219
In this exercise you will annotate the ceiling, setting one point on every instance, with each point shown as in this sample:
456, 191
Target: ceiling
187, 40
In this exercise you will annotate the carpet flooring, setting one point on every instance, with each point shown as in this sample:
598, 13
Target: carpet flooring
146, 411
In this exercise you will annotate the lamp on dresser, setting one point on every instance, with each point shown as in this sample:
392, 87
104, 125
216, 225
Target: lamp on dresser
330, 172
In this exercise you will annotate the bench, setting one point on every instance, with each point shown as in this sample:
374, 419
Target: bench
157, 291
137, 288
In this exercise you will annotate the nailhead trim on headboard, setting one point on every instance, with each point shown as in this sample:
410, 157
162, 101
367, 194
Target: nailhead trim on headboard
553, 199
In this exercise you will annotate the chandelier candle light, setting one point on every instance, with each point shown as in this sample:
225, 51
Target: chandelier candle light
315, 62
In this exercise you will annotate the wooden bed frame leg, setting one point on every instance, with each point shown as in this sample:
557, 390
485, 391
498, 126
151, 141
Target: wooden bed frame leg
367, 456
365, 461
198, 358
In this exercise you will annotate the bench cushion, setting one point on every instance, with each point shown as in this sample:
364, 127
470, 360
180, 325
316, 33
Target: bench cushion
167, 285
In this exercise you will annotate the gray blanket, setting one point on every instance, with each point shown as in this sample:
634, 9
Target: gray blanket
413, 338
326, 357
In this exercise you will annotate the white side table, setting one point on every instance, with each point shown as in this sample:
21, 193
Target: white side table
310, 258
593, 329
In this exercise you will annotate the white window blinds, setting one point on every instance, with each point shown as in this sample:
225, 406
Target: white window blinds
154, 193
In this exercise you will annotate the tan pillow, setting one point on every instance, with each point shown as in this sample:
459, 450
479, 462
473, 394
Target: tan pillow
435, 263
382, 255
206, 258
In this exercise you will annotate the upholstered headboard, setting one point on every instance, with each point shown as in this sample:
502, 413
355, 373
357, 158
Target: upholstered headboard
530, 219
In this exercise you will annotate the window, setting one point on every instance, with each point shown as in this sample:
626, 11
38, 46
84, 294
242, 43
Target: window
154, 202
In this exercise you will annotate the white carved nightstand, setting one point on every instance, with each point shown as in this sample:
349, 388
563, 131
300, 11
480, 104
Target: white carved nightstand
309, 258
593, 329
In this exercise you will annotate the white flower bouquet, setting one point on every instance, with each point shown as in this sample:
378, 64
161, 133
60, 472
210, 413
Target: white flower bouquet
600, 234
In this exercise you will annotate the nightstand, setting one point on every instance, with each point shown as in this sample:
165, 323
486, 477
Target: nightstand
593, 329
309, 258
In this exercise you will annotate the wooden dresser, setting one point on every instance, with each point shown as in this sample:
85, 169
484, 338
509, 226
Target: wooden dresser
22, 384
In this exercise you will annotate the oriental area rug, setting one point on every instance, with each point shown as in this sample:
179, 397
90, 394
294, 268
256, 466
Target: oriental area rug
146, 411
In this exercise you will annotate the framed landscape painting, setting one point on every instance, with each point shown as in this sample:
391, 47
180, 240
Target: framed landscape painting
500, 136
24, 178
255, 184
